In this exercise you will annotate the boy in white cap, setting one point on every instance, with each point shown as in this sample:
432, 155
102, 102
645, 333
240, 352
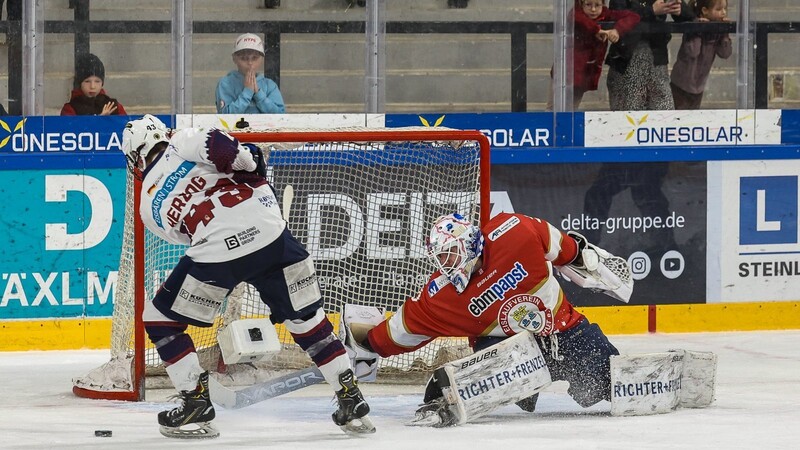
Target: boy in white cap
245, 91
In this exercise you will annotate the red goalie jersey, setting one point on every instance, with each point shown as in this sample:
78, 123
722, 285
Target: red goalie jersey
516, 277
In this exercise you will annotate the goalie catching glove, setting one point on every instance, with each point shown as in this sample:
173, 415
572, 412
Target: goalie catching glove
598, 270
356, 321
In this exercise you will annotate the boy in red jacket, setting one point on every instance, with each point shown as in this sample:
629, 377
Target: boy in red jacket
88, 98
591, 43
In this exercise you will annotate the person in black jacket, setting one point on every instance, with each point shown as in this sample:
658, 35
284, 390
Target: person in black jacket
638, 78
88, 98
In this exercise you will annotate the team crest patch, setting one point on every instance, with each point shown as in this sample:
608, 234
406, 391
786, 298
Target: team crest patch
516, 309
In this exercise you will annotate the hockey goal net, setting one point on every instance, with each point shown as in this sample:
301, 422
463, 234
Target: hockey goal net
360, 200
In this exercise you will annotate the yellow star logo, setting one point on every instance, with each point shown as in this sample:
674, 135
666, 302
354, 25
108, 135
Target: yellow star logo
636, 124
4, 125
435, 124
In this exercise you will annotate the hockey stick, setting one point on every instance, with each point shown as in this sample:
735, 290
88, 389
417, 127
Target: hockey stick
235, 399
288, 197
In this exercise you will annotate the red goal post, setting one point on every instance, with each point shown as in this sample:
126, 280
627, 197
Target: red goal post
360, 200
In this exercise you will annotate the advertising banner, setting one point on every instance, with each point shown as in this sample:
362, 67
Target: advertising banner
753, 243
61, 134
506, 131
63, 235
55, 142
682, 128
652, 214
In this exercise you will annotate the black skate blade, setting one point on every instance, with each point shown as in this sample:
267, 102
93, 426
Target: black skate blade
198, 430
359, 426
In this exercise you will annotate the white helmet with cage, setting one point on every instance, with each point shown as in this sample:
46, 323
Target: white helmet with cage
139, 137
455, 245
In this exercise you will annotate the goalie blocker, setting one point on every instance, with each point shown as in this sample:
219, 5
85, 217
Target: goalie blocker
468, 388
355, 323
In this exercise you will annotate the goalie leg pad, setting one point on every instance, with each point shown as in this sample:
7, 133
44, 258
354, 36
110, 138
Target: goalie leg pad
474, 386
526, 404
698, 379
657, 383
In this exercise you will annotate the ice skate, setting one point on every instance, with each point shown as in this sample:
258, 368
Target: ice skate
436, 413
353, 409
192, 418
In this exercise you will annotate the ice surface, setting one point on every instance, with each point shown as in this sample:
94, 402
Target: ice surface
758, 391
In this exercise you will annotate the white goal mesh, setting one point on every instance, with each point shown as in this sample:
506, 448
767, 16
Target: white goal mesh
361, 201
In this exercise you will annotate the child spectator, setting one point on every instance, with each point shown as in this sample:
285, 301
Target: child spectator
638, 78
244, 90
697, 54
88, 96
591, 43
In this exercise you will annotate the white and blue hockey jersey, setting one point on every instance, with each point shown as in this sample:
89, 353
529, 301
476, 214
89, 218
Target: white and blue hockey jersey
201, 192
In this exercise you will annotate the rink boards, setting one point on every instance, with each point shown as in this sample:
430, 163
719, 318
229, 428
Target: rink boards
722, 255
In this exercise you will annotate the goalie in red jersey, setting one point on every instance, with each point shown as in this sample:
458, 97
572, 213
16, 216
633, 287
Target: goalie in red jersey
497, 282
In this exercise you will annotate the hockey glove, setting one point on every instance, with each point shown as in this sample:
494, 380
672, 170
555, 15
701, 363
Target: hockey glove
258, 157
598, 270
356, 321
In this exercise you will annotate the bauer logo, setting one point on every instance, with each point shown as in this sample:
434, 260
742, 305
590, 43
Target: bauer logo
768, 210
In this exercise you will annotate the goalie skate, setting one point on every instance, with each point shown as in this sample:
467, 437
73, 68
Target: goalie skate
435, 413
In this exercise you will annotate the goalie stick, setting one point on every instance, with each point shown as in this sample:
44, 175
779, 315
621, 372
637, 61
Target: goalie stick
235, 399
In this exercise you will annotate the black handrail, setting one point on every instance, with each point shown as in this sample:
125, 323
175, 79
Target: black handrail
83, 27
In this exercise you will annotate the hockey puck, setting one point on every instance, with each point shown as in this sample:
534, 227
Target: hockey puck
102, 433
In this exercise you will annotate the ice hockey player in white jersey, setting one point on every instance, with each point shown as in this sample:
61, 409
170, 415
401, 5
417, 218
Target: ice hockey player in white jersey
202, 188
